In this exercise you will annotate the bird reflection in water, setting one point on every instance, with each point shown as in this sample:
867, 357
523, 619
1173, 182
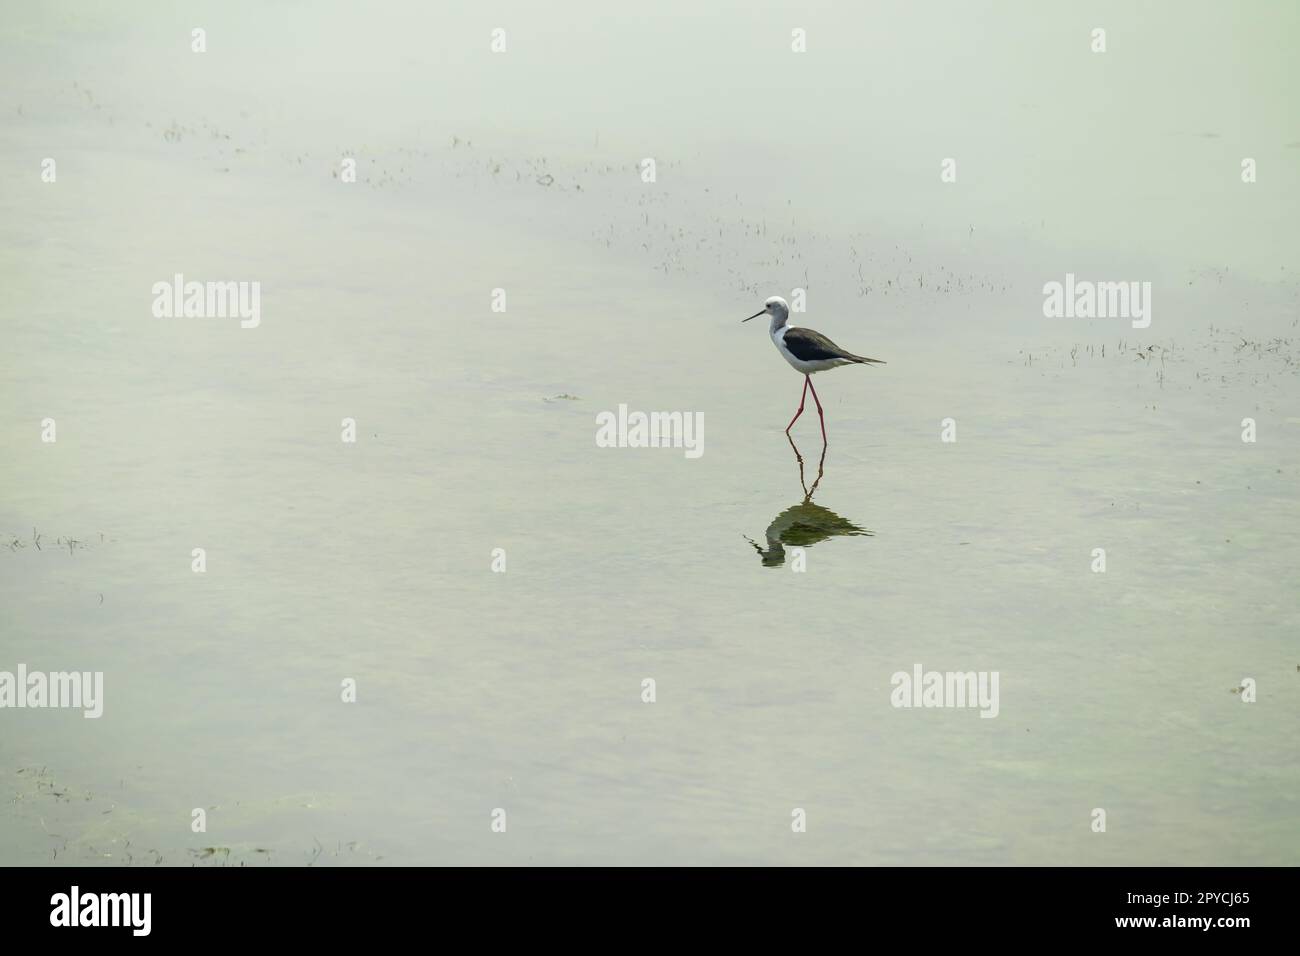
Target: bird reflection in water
804, 524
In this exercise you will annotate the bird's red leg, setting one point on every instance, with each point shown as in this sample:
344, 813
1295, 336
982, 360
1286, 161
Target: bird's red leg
819, 409
802, 398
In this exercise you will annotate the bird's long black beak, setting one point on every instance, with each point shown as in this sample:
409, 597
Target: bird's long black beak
755, 315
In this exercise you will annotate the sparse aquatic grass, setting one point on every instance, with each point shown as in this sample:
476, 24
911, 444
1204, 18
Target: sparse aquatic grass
84, 828
37, 541
1219, 357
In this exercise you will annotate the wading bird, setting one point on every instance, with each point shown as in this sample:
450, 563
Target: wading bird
807, 351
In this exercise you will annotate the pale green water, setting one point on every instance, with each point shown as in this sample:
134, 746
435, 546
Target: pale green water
522, 690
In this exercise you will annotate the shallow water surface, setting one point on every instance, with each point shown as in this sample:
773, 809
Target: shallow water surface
372, 561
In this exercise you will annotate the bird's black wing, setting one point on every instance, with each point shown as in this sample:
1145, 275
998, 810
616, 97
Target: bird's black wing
809, 346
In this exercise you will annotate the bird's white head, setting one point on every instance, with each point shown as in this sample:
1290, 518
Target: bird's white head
777, 308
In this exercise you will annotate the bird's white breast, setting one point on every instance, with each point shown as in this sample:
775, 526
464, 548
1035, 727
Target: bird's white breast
799, 365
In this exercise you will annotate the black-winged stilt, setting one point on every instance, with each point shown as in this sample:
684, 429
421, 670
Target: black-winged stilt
807, 352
